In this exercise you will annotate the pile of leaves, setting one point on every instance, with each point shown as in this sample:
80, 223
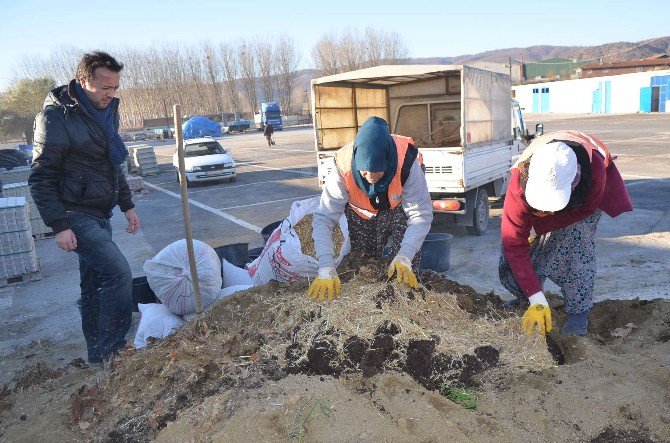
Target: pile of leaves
275, 330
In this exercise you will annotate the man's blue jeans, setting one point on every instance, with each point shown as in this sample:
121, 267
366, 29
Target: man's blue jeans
106, 286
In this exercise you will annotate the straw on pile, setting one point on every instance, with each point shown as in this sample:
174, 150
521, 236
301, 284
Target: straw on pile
304, 230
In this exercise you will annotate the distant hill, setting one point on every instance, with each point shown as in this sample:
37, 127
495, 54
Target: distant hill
610, 51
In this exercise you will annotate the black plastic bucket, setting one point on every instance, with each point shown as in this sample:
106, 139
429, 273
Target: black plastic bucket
267, 231
236, 254
254, 253
435, 251
142, 293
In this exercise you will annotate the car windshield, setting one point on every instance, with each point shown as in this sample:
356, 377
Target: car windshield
205, 148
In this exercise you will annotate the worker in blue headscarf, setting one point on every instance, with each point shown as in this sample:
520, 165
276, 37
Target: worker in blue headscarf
381, 188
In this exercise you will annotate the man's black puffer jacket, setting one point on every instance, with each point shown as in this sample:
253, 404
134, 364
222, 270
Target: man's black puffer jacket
71, 169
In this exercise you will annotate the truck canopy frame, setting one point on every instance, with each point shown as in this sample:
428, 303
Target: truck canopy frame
342, 102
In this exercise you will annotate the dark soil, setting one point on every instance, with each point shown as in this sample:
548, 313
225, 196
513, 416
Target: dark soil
611, 435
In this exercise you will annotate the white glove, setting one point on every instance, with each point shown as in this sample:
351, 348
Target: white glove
538, 299
327, 272
403, 259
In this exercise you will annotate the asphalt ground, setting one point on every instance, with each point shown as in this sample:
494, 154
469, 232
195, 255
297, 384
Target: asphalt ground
269, 180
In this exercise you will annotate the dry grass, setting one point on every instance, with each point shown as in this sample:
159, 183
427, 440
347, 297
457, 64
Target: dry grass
304, 230
427, 315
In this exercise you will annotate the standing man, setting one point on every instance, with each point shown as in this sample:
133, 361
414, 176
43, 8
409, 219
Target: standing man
269, 130
76, 180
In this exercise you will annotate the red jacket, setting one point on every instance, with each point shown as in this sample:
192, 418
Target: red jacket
607, 192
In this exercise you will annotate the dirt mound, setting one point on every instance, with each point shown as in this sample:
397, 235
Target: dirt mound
379, 362
270, 332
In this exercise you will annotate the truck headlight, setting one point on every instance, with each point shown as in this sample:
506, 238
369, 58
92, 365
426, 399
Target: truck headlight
195, 168
229, 165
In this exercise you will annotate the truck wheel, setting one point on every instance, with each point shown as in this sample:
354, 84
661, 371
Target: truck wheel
480, 217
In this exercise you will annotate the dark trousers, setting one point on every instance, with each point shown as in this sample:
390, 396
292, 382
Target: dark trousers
369, 237
106, 286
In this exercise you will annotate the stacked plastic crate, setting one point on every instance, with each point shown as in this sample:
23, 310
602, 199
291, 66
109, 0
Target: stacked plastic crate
136, 184
16, 175
18, 258
145, 159
38, 227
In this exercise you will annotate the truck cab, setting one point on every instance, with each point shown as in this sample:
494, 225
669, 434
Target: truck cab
271, 113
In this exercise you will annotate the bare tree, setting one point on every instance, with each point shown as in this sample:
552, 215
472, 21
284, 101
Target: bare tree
230, 70
266, 68
395, 49
212, 65
246, 53
324, 55
288, 60
351, 51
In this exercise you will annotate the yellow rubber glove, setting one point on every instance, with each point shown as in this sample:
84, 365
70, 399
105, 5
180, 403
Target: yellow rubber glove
326, 284
538, 313
402, 267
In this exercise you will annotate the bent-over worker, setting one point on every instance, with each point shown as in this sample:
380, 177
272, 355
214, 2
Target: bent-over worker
380, 186
559, 188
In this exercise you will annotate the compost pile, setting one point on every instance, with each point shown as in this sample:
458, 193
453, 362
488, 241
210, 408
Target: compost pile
272, 331
304, 230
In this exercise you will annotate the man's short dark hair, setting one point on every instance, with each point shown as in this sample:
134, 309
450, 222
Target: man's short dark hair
94, 60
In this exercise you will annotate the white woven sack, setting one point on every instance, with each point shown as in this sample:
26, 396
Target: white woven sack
156, 321
282, 258
234, 276
169, 276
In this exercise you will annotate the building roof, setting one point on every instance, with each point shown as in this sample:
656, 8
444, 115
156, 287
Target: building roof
553, 66
629, 63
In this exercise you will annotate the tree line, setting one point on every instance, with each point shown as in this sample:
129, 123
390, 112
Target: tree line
205, 78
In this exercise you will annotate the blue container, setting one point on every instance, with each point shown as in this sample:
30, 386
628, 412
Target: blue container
236, 253
27, 150
435, 251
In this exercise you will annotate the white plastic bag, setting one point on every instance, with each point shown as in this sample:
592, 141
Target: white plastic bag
234, 276
169, 276
282, 258
156, 321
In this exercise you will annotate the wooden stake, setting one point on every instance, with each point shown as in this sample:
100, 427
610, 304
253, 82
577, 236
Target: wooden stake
184, 207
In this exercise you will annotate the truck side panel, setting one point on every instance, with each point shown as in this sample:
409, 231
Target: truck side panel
485, 113
340, 110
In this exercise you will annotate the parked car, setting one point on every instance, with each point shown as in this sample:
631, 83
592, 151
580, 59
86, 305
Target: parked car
139, 136
205, 160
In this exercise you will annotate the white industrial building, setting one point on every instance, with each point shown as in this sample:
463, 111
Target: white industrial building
626, 93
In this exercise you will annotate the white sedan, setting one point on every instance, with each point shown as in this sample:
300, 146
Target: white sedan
205, 160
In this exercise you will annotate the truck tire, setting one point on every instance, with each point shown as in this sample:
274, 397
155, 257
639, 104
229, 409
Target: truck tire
480, 216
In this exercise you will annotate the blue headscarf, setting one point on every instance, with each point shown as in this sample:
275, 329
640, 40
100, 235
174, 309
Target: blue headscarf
374, 150
105, 118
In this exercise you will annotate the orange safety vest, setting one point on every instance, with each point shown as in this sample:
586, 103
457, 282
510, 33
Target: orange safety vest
358, 200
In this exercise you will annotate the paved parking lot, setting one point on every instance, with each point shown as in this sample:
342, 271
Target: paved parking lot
268, 181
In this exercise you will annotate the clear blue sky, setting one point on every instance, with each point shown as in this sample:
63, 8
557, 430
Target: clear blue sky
431, 28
